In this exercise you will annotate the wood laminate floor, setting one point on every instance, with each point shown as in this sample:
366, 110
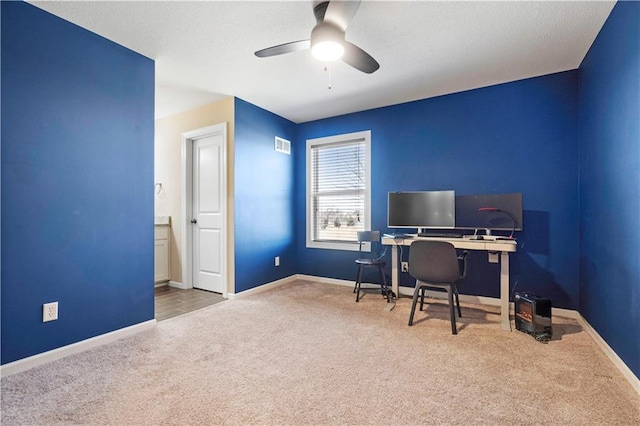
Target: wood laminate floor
171, 301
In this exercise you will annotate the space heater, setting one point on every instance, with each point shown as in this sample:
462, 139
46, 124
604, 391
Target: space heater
533, 315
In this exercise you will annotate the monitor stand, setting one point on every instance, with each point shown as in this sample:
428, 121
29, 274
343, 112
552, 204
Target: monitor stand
487, 235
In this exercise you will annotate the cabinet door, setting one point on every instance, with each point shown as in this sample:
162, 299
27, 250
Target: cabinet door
162, 260
162, 270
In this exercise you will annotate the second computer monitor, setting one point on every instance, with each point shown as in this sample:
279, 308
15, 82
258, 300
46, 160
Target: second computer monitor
492, 211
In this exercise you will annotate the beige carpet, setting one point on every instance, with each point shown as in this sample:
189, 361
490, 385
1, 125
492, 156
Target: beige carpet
306, 353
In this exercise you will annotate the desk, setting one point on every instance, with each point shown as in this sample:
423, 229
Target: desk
504, 247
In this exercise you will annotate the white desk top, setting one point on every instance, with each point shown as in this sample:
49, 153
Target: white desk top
461, 243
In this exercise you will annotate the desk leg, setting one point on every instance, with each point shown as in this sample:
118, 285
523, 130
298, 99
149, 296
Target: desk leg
504, 291
395, 282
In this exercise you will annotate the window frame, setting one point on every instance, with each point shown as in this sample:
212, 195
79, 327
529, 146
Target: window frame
365, 137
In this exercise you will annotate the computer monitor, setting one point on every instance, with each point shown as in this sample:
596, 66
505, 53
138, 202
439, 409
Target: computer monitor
492, 212
421, 209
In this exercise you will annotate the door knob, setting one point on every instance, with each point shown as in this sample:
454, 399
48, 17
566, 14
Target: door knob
194, 221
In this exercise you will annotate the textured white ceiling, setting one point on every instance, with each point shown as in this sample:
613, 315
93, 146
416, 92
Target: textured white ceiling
204, 50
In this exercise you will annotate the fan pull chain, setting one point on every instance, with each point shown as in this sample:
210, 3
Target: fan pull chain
326, 69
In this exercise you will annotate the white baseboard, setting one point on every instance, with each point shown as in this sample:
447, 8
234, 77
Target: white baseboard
54, 354
491, 301
262, 288
610, 353
36, 360
408, 291
181, 286
326, 280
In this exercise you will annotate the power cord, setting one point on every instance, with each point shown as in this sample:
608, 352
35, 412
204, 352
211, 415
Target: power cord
383, 254
542, 337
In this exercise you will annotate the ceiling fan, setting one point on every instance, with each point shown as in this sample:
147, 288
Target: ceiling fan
327, 40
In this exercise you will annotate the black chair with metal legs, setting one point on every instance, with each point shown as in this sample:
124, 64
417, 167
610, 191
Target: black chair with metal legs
462, 266
375, 259
435, 264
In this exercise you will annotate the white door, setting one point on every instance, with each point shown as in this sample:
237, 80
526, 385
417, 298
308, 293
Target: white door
208, 213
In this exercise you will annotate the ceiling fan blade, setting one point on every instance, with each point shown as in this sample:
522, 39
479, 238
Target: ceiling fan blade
341, 13
319, 9
281, 49
359, 59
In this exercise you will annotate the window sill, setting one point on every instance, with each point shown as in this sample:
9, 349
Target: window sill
335, 246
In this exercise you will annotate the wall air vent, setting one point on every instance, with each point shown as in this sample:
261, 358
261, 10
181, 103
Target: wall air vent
283, 145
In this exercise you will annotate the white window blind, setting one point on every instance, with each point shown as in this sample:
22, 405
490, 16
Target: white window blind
338, 189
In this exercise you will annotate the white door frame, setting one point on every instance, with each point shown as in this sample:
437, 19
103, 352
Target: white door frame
187, 205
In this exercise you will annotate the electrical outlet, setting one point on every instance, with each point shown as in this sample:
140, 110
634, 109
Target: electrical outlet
405, 266
277, 261
50, 311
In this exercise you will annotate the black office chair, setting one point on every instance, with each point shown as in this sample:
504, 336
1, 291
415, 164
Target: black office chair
462, 266
435, 264
375, 259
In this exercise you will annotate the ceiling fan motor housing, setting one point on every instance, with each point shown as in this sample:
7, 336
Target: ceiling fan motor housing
326, 33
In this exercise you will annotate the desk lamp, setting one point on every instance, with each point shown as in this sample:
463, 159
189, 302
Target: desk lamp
495, 209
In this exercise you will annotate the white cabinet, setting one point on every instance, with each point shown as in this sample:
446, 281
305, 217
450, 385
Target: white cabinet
162, 244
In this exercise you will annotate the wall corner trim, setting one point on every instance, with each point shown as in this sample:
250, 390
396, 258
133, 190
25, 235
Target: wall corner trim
64, 351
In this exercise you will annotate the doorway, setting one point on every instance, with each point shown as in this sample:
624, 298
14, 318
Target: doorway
170, 301
204, 209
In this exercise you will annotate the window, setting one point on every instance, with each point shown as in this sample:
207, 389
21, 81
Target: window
338, 190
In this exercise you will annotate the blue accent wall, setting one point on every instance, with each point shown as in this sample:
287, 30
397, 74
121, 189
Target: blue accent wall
77, 183
610, 183
264, 193
515, 137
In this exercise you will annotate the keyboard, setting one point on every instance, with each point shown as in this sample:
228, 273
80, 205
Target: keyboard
399, 236
440, 234
489, 238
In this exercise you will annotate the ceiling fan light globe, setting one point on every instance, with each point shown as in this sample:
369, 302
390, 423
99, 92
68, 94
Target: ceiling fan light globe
327, 42
327, 51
